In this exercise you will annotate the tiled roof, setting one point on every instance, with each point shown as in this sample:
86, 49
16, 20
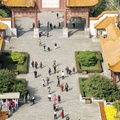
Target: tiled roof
19, 3
113, 31
105, 12
105, 22
111, 51
73, 3
3, 26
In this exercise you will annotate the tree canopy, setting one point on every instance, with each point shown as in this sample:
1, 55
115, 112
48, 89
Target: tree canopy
102, 87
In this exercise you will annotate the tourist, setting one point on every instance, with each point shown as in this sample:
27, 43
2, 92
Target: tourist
55, 115
39, 34
59, 98
40, 43
38, 23
54, 106
44, 46
59, 25
47, 80
33, 24
41, 64
48, 24
58, 82
47, 33
62, 74
48, 49
62, 114
49, 89
73, 70
62, 87
32, 63
67, 70
54, 66
58, 75
55, 45
54, 97
43, 83
35, 74
66, 87
49, 97
36, 64
51, 26
73, 25
49, 71
57, 15
33, 99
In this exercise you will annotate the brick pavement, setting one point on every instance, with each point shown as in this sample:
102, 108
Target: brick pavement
64, 56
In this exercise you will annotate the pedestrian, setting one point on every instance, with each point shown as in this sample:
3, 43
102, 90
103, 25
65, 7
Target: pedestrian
57, 107
54, 106
58, 83
59, 98
47, 80
44, 46
39, 34
62, 87
33, 24
62, 114
41, 64
67, 70
51, 26
57, 15
49, 71
32, 63
33, 99
66, 87
55, 45
54, 66
63, 74
54, 97
43, 83
59, 25
73, 70
47, 33
36, 64
49, 97
58, 75
55, 115
40, 42
48, 49
49, 89
73, 25
54, 61
48, 24
67, 118
35, 74
38, 23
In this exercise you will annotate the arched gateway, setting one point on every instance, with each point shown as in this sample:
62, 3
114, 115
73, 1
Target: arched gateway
30, 8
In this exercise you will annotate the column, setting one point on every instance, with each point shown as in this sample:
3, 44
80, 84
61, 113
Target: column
36, 19
13, 19
65, 19
87, 20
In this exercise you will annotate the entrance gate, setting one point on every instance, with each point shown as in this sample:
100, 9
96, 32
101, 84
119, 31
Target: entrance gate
30, 8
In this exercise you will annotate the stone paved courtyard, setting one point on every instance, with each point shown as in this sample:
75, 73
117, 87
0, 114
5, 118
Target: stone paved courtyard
64, 56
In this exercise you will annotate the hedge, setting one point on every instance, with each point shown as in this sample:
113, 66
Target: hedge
98, 65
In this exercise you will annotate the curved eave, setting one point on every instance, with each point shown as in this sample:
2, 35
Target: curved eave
3, 26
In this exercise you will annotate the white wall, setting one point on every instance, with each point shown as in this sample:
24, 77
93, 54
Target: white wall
8, 23
92, 22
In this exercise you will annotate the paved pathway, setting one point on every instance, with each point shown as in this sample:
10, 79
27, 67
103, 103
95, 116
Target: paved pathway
64, 56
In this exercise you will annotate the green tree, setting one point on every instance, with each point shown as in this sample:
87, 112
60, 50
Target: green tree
102, 87
18, 57
3, 13
98, 9
6, 80
116, 104
87, 58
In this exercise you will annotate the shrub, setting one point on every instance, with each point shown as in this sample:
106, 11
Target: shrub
87, 58
18, 57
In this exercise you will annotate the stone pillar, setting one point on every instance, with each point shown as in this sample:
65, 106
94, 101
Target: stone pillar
65, 29
36, 29
13, 29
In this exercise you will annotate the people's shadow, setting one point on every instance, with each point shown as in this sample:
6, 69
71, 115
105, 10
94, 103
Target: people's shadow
39, 75
60, 108
53, 92
70, 89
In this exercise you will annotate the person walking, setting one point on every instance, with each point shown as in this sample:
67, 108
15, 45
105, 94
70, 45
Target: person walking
59, 25
35, 74
73, 70
33, 24
33, 99
55, 45
43, 83
41, 64
36, 64
62, 114
58, 75
39, 34
54, 106
49, 89
54, 97
49, 97
38, 23
59, 98
63, 74
66, 87
44, 46
58, 83
62, 87
51, 26
47, 80
49, 71
57, 15
55, 115
40, 43
54, 67
47, 33
32, 63
48, 49
48, 23
67, 70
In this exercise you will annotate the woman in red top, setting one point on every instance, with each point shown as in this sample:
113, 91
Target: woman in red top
62, 87
62, 114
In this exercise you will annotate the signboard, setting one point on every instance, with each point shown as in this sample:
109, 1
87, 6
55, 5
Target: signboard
50, 3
